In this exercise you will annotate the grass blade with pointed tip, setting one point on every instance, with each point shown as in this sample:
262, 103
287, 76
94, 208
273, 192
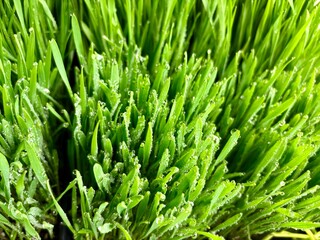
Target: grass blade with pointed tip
62, 214
235, 135
36, 164
59, 62
78, 40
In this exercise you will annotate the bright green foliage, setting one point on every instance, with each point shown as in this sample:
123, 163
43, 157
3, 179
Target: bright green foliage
174, 119
29, 157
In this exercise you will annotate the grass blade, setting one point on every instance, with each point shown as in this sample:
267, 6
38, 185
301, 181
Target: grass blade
5, 172
59, 62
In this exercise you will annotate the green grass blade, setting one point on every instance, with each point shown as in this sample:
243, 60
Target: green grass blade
62, 214
36, 164
78, 40
5, 172
59, 62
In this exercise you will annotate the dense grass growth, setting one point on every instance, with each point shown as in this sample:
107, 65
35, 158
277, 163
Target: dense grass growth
191, 119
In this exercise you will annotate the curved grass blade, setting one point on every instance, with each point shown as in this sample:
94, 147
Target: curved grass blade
59, 62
